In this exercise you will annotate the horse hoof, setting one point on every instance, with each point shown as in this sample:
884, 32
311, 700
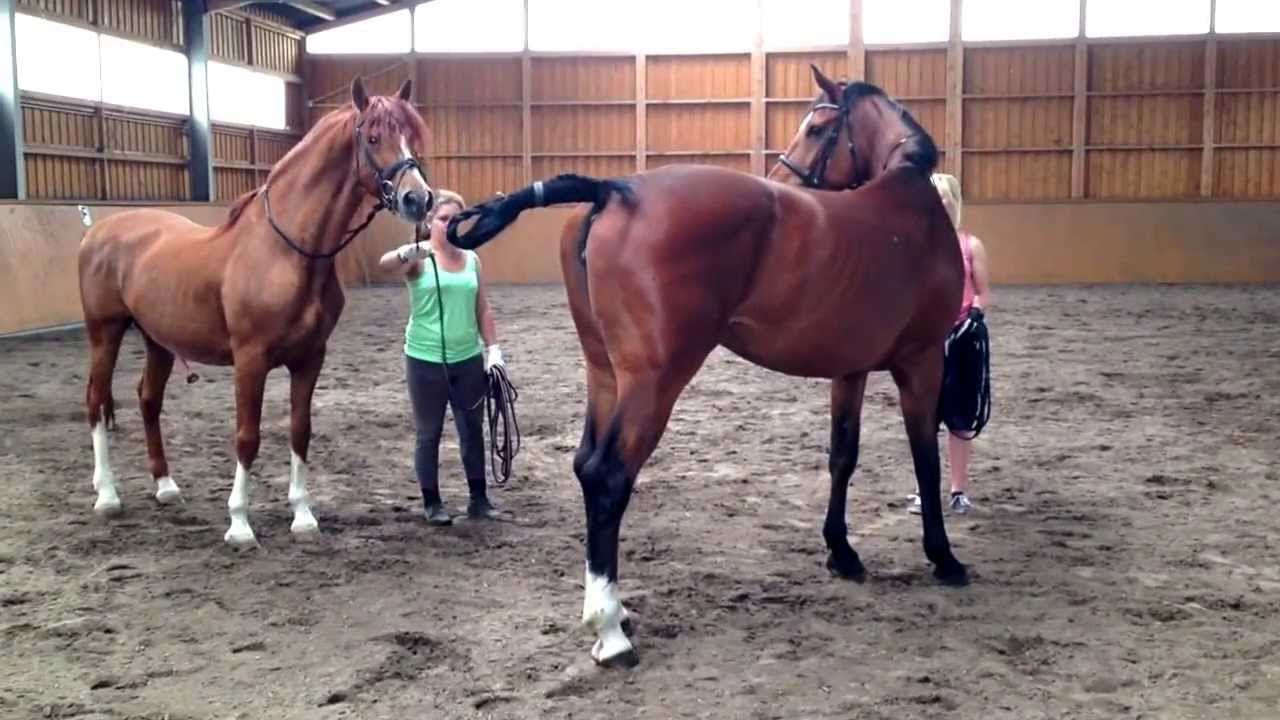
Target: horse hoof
954, 576
305, 530
240, 541
108, 507
627, 658
847, 569
167, 491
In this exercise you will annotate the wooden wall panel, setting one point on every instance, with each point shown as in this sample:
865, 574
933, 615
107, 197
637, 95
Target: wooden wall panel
148, 137
1148, 174
909, 73
54, 177
1248, 63
698, 77
233, 182
782, 120
273, 146
1017, 123
1017, 176
52, 125
463, 130
229, 37
597, 166
932, 116
688, 128
787, 75
159, 21
1247, 173
1146, 120
1019, 70
573, 78
583, 128
146, 181
232, 146
465, 80
1147, 66
740, 162
276, 50
477, 179
84, 11
1252, 118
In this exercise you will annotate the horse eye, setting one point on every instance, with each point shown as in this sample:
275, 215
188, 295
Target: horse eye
814, 130
373, 139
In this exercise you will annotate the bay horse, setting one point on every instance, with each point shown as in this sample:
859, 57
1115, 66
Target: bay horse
257, 292
668, 263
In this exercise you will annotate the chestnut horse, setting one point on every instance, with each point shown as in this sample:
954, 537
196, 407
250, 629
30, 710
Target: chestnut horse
257, 292
667, 264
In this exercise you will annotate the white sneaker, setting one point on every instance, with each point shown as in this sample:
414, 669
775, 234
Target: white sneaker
960, 504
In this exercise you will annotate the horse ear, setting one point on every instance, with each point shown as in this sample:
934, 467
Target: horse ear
359, 97
824, 82
406, 90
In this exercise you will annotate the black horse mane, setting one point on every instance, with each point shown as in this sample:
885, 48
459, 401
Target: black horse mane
919, 149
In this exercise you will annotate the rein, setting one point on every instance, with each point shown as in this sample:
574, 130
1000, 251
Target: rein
818, 169
386, 198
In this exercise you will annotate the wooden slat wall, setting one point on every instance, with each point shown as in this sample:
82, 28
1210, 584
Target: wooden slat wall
79, 150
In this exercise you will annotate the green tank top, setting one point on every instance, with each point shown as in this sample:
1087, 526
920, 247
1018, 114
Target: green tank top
461, 329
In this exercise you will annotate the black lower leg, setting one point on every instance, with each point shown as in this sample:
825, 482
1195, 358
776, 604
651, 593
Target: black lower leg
842, 561
937, 547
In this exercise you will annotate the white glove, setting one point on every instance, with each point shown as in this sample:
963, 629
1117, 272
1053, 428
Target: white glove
413, 251
493, 357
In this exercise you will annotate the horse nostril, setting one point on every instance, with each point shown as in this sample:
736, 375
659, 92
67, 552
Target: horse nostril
415, 205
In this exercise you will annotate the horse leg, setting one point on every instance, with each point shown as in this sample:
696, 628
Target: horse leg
150, 400
302, 384
919, 380
645, 399
251, 377
105, 337
846, 421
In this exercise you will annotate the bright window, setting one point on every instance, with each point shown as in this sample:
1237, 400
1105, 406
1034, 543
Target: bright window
582, 25
886, 22
1019, 19
704, 26
391, 33
460, 26
1247, 16
805, 23
144, 76
57, 59
245, 97
1110, 18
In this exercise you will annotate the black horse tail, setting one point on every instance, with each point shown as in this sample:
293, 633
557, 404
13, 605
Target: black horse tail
493, 216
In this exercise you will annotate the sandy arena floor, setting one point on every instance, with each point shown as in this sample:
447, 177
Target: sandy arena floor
1125, 558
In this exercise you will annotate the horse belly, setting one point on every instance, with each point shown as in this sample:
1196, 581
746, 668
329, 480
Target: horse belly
792, 347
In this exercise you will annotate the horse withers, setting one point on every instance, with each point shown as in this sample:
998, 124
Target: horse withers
257, 292
669, 263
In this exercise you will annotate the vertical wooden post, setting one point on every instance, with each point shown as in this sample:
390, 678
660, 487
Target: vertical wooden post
642, 130
251, 50
857, 46
955, 93
100, 117
758, 90
1209, 134
13, 165
526, 104
1080, 110
253, 152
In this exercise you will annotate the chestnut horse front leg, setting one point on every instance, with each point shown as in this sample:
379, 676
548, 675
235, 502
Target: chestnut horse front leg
251, 376
302, 384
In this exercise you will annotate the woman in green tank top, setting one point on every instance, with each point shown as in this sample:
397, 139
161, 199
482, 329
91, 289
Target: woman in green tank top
451, 331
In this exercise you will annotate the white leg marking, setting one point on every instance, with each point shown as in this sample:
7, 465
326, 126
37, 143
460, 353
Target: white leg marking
240, 534
167, 490
304, 523
104, 480
602, 612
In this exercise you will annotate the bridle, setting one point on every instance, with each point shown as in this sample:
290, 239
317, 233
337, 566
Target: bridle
385, 191
813, 178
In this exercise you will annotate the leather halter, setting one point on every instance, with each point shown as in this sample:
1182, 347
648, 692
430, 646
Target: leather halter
385, 191
813, 178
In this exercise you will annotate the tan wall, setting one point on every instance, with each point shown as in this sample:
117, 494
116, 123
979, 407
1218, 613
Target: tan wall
1027, 243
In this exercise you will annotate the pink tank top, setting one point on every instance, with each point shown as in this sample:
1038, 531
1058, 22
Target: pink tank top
966, 250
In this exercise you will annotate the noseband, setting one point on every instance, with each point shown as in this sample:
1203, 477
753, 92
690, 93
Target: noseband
385, 192
818, 169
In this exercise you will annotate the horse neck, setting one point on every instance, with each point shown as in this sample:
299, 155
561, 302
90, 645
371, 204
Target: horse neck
883, 144
314, 192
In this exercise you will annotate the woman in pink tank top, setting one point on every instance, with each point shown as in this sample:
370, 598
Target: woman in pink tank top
977, 294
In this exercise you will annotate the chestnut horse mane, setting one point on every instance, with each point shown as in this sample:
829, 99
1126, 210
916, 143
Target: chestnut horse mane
383, 114
919, 149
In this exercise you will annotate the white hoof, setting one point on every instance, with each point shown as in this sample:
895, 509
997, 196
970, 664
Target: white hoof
304, 526
614, 650
108, 504
167, 491
242, 539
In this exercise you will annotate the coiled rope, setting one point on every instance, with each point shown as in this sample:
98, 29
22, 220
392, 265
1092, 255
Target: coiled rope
964, 404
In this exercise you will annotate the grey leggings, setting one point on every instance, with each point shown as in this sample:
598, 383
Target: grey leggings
465, 393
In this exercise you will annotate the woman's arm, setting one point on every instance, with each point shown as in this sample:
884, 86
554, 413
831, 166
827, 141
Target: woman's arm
485, 319
981, 274
406, 259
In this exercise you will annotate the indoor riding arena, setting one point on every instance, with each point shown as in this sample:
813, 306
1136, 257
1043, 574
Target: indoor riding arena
1119, 160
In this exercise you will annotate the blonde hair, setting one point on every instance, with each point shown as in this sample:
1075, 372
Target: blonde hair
949, 188
445, 197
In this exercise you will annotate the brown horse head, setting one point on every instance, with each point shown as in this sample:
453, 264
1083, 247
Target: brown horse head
853, 133
391, 139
